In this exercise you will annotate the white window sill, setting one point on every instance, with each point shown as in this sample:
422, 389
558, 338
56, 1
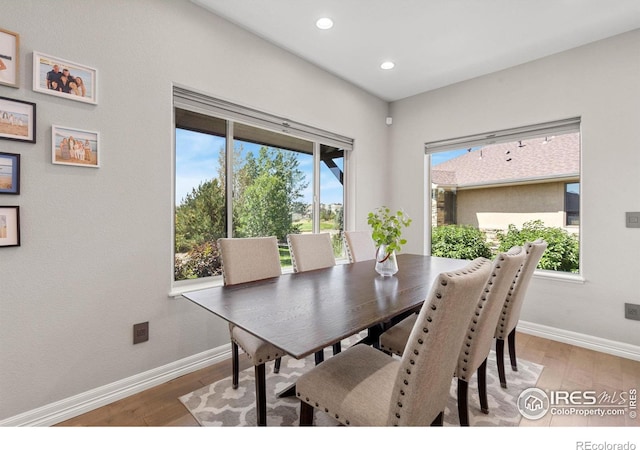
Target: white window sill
198, 285
560, 276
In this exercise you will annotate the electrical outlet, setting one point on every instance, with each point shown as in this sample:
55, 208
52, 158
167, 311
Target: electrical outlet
140, 332
631, 311
633, 220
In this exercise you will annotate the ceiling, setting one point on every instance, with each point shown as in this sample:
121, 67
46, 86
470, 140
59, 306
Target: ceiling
433, 43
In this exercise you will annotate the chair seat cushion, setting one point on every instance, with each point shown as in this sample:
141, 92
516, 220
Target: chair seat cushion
395, 338
256, 349
354, 387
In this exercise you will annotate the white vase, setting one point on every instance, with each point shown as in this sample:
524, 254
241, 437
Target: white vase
386, 262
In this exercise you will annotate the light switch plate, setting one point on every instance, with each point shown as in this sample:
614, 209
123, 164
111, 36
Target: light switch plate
633, 220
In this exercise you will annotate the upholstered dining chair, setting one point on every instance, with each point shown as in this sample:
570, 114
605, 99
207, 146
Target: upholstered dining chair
364, 386
312, 251
481, 327
359, 245
506, 328
245, 260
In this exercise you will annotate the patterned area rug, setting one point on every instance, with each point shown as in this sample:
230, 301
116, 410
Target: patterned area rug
220, 405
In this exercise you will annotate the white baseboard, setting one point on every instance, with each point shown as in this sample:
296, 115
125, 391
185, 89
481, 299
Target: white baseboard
615, 348
79, 404
68, 408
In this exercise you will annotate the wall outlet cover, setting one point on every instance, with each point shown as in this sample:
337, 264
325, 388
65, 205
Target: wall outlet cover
631, 311
140, 332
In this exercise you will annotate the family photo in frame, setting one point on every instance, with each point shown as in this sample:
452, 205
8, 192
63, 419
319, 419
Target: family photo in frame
74, 147
9, 58
62, 78
9, 226
17, 120
9, 173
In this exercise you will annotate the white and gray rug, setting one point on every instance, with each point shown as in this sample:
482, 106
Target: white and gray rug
220, 405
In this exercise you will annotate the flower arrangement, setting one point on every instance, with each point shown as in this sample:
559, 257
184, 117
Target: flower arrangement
387, 229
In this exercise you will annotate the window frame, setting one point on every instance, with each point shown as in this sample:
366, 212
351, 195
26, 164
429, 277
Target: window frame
190, 100
563, 126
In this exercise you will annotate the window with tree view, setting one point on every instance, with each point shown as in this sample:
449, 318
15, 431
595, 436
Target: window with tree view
238, 180
495, 193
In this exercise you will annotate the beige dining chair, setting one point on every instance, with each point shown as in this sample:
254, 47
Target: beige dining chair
363, 386
481, 327
245, 260
359, 245
506, 328
312, 251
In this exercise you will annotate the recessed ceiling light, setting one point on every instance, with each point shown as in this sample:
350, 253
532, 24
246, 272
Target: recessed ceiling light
387, 65
324, 23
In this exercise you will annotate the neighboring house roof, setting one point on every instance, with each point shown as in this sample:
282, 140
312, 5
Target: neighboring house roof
507, 162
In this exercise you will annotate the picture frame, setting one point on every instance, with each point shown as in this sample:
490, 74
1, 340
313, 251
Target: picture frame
9, 173
75, 147
17, 120
9, 58
9, 226
66, 79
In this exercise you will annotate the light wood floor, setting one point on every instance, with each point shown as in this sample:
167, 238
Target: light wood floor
565, 367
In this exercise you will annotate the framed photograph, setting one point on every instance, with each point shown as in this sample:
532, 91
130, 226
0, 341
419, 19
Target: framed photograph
56, 76
74, 147
9, 58
9, 173
9, 226
17, 120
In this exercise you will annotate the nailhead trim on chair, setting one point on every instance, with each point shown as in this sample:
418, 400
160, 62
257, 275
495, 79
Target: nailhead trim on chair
224, 276
472, 330
425, 330
348, 247
293, 258
505, 308
269, 358
326, 410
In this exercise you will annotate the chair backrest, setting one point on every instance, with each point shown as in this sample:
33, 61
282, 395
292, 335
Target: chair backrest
359, 245
479, 337
518, 290
423, 382
249, 259
311, 251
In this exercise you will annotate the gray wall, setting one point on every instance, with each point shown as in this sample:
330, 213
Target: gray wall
96, 243
598, 82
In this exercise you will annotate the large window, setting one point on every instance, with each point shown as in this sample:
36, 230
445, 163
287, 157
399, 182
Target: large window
242, 173
490, 192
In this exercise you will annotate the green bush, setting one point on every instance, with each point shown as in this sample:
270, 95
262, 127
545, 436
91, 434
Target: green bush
202, 261
337, 244
459, 241
285, 255
563, 248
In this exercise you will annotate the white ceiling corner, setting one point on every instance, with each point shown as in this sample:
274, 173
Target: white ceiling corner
433, 43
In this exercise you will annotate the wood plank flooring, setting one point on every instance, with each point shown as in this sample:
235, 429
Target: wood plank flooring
565, 367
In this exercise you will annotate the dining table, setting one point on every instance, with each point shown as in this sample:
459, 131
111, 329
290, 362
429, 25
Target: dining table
302, 313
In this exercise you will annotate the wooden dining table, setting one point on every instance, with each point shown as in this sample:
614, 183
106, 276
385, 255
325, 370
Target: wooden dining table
302, 313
